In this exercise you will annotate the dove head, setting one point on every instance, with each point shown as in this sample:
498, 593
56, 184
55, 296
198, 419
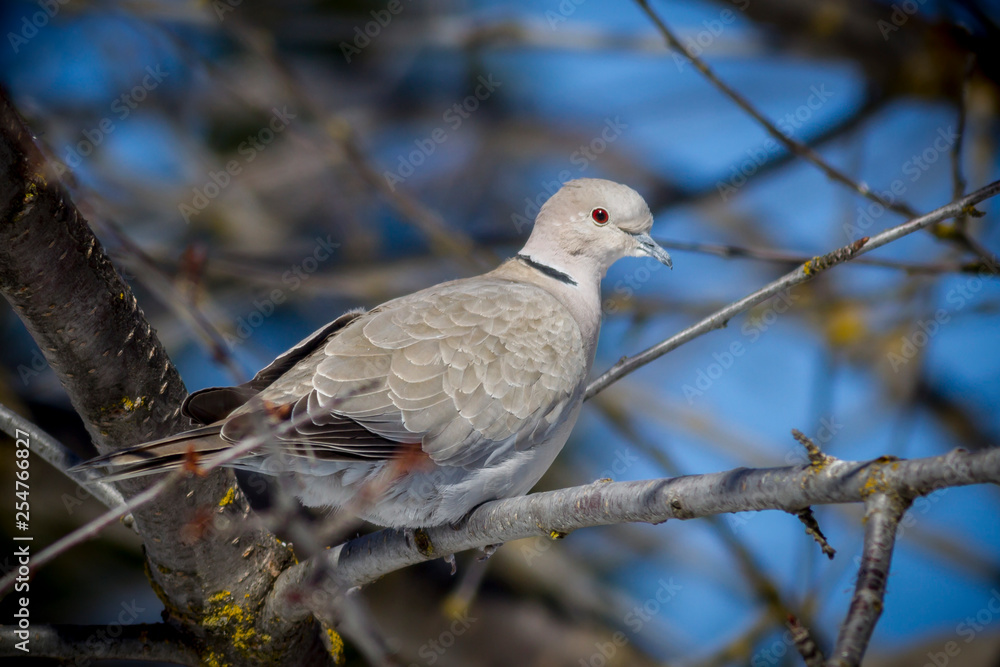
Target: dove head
588, 225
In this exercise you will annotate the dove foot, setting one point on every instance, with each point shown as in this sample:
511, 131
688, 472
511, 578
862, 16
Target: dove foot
488, 551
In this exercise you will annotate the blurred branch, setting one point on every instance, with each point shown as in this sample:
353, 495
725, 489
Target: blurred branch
83, 643
664, 196
956, 234
765, 588
334, 128
922, 58
882, 514
58, 456
267, 433
90, 530
184, 305
793, 145
802, 274
804, 643
957, 178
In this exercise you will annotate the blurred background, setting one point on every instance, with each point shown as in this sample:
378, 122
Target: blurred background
256, 169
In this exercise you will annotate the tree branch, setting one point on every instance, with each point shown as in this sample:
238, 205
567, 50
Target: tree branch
789, 257
83, 643
85, 319
57, 455
804, 273
882, 514
793, 145
315, 582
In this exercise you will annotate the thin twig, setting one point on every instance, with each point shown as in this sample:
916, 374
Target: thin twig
446, 238
461, 597
958, 234
802, 274
808, 519
882, 514
161, 284
816, 455
958, 183
357, 623
793, 145
790, 257
90, 529
765, 588
806, 645
58, 456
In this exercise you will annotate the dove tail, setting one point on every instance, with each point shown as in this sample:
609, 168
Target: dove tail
158, 456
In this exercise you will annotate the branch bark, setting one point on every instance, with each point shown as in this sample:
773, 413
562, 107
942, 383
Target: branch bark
882, 515
84, 643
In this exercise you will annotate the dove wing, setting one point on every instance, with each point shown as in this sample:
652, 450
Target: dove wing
465, 369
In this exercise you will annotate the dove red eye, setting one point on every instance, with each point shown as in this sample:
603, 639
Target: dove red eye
600, 216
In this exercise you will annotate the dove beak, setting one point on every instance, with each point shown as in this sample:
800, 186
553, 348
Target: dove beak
650, 247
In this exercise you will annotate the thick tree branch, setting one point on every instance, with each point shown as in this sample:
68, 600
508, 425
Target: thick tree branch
316, 582
115, 641
55, 274
804, 273
882, 514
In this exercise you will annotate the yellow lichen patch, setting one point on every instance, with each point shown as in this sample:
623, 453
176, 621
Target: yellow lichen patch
30, 192
213, 660
336, 646
228, 499
876, 481
972, 211
128, 405
809, 267
290, 548
224, 615
817, 465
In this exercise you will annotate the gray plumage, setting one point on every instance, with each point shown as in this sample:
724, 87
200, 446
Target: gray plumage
411, 414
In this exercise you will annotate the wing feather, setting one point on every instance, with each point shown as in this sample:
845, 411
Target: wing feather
463, 369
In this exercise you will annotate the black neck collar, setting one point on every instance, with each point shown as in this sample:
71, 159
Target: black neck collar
547, 270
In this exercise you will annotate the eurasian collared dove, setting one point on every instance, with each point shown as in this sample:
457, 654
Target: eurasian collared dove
436, 402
